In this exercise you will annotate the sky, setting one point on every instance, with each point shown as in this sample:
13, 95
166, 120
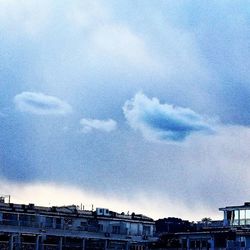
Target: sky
134, 105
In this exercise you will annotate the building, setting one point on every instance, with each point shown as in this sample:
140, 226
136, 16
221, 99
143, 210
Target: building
68, 227
166, 229
233, 232
173, 225
235, 216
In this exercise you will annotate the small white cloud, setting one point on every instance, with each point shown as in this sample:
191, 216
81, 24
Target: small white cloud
41, 104
101, 125
162, 122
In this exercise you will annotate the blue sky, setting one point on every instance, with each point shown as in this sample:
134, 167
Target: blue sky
141, 100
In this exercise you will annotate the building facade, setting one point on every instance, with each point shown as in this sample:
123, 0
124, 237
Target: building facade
68, 227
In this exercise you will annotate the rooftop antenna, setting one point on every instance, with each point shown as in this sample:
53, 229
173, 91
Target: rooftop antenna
82, 206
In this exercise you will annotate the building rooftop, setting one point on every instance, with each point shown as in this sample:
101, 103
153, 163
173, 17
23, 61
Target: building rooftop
243, 207
70, 211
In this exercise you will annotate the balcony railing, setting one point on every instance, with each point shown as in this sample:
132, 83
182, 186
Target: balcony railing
64, 228
41, 225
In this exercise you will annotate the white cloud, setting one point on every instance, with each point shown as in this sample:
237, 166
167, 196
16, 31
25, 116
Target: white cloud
110, 42
162, 122
102, 125
217, 167
120, 45
87, 14
41, 104
28, 16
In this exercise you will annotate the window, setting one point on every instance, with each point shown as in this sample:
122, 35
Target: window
10, 219
27, 220
84, 223
242, 217
58, 223
235, 218
247, 217
49, 222
115, 229
146, 230
100, 227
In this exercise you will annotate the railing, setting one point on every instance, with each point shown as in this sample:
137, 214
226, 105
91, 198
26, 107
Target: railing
67, 230
9, 222
23, 223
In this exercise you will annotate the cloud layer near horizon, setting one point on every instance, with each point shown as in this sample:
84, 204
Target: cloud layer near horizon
162, 122
51, 194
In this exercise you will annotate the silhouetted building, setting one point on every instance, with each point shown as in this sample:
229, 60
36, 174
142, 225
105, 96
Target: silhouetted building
173, 225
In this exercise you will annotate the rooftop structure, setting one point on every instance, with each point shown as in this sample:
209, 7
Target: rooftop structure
237, 215
232, 233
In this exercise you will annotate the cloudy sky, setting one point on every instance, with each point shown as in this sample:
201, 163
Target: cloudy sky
133, 105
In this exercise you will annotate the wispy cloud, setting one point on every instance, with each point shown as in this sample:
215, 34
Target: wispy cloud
162, 122
109, 41
41, 104
88, 125
87, 14
31, 22
119, 44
